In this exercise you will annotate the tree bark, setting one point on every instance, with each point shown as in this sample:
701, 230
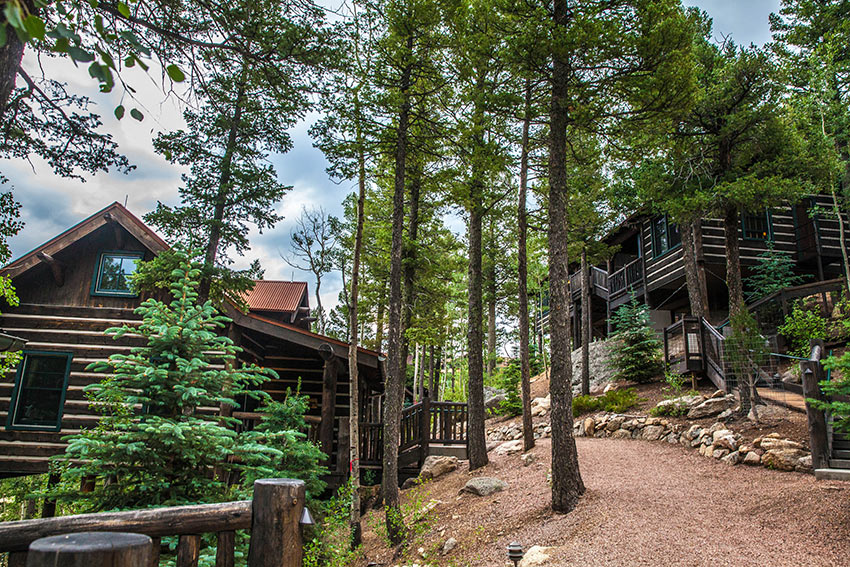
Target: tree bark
395, 379
491, 302
379, 320
567, 486
11, 55
223, 187
585, 324
476, 442
691, 270
733, 260
522, 280
355, 526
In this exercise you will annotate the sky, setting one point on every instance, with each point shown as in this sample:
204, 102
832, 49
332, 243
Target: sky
50, 204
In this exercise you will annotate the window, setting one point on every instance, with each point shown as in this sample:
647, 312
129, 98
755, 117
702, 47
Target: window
112, 273
757, 226
40, 391
665, 235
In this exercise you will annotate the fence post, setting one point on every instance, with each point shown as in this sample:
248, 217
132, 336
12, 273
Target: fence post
425, 428
812, 372
275, 523
91, 548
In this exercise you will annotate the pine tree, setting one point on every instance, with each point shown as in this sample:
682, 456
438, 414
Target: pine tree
637, 352
774, 272
154, 445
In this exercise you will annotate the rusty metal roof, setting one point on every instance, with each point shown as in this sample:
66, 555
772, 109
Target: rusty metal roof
278, 296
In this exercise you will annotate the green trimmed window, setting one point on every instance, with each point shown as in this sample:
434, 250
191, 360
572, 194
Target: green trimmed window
39, 392
665, 236
757, 226
113, 271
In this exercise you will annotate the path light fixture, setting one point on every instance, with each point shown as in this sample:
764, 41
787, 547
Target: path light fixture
306, 518
515, 553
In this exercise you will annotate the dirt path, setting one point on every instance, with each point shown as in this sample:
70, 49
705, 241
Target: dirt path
646, 504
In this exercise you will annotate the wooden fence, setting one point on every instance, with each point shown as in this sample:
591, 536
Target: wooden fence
273, 516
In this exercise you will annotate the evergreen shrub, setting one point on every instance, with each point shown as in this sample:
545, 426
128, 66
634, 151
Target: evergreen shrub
636, 350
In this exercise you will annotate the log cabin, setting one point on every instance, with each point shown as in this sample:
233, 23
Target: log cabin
75, 285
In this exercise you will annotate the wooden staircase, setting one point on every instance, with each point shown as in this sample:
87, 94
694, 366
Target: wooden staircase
839, 456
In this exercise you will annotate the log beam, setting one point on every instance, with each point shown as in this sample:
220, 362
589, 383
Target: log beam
57, 268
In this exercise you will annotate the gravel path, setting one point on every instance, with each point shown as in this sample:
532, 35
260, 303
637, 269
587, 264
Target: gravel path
646, 504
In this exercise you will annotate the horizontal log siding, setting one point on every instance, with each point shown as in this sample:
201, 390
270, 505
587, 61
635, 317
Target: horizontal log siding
827, 229
668, 269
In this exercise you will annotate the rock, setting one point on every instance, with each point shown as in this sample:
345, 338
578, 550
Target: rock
409, 483
437, 465
693, 432
539, 406
621, 434
804, 464
589, 426
527, 459
615, 423
682, 401
768, 443
450, 544
672, 438
536, 556
484, 486
732, 458
493, 397
492, 445
709, 407
720, 433
716, 426
768, 412
717, 394
726, 442
601, 371
719, 453
509, 447
782, 459
609, 387
653, 432
752, 459
726, 414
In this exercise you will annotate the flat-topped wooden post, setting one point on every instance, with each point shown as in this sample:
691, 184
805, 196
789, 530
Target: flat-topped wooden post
91, 549
812, 374
276, 523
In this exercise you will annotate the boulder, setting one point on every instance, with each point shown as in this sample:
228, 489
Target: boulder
621, 434
720, 433
653, 432
539, 406
769, 443
450, 544
719, 453
601, 370
536, 556
782, 459
768, 412
484, 486
726, 442
614, 423
693, 432
804, 464
708, 408
732, 458
752, 458
527, 459
589, 426
494, 402
437, 465
509, 447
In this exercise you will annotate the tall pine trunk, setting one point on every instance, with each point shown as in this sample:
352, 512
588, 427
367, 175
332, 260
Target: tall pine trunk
11, 55
354, 377
211, 252
585, 323
395, 380
567, 486
522, 280
692, 279
477, 441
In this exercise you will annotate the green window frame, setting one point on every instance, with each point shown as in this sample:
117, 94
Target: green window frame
665, 236
757, 226
111, 273
38, 398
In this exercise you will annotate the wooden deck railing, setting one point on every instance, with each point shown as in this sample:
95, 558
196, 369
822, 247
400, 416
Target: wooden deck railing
422, 424
273, 516
626, 278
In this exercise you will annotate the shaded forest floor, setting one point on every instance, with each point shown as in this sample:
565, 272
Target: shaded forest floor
647, 503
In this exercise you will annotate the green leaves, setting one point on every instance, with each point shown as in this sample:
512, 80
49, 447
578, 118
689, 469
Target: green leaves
119, 111
175, 73
35, 27
123, 9
135, 113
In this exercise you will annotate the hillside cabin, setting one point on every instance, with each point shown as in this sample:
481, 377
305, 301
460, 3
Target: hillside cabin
74, 286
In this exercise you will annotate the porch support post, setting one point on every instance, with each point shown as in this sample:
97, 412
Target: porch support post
329, 379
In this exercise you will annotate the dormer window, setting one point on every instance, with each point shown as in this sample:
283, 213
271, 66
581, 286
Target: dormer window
112, 273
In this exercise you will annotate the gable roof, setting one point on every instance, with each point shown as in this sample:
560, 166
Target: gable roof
113, 213
277, 296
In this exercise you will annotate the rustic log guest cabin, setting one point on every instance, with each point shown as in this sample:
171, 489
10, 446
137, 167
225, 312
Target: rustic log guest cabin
75, 286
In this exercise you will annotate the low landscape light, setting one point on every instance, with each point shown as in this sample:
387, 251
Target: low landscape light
515, 553
306, 518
